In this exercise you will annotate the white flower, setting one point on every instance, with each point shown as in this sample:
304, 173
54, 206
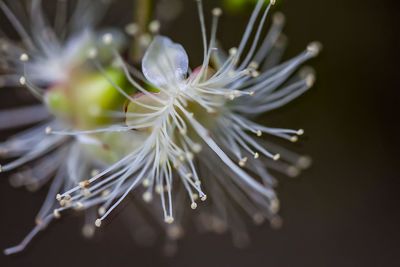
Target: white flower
202, 119
189, 135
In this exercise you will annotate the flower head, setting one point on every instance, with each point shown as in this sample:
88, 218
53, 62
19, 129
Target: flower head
202, 119
183, 134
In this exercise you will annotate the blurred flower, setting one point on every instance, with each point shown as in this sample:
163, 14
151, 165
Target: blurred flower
51, 63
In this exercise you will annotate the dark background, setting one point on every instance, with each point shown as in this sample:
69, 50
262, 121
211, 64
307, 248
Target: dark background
342, 212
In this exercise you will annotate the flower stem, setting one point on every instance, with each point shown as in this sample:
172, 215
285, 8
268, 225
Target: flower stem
142, 15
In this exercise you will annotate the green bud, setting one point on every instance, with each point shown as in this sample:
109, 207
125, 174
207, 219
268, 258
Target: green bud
86, 101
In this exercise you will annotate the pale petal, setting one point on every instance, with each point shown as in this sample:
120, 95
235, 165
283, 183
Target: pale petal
165, 62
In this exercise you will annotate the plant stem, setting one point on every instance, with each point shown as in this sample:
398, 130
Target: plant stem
142, 14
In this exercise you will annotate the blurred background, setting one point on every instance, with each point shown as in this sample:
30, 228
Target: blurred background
342, 212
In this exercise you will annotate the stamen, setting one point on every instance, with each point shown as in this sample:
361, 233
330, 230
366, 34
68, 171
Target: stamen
24, 57
107, 38
154, 26
132, 29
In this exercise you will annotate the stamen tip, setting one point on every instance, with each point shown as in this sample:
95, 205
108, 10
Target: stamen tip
22, 80
279, 18
154, 26
243, 162
92, 53
132, 29
169, 219
102, 211
24, 57
56, 214
193, 205
48, 130
107, 38
310, 79
98, 223
147, 197
292, 171
217, 12
314, 48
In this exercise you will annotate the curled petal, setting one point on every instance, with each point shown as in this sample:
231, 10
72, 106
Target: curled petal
165, 62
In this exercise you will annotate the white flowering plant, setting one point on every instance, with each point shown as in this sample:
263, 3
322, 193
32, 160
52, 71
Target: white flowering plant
175, 135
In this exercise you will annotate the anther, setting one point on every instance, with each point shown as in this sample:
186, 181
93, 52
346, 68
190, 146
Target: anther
24, 57
94, 172
146, 182
154, 26
276, 223
233, 51
294, 139
292, 171
79, 206
107, 38
304, 162
259, 133
189, 156
102, 211
276, 157
314, 48
132, 29
254, 65
258, 218
48, 130
204, 198
147, 197
300, 132
88, 231
105, 193
243, 162
217, 12
22, 80
92, 53
193, 205
310, 79
169, 219
274, 206
56, 214
84, 184
256, 155
97, 223
279, 18
196, 148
